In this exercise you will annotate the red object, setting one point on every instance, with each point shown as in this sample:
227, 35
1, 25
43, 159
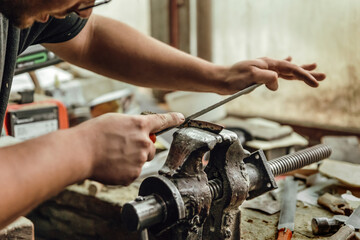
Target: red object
284, 235
152, 137
63, 115
62, 112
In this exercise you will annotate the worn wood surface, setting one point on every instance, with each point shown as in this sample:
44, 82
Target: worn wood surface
21, 229
259, 226
81, 213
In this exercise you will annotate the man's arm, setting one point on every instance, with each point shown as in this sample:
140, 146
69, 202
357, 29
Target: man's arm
35, 170
116, 50
111, 148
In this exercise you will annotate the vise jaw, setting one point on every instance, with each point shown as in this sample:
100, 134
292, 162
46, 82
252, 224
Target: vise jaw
198, 191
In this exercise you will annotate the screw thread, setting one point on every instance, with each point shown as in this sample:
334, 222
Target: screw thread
215, 186
299, 159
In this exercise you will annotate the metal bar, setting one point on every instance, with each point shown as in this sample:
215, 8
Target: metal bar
299, 159
212, 107
288, 204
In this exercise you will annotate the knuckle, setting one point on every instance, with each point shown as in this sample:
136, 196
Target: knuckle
252, 72
162, 119
264, 59
177, 118
145, 143
143, 157
174, 117
139, 123
274, 77
285, 63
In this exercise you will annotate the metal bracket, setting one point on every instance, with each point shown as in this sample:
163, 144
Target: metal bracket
265, 180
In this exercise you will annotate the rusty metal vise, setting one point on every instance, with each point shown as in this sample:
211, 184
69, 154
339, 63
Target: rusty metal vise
206, 177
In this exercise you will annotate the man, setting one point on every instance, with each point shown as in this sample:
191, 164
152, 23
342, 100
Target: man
111, 148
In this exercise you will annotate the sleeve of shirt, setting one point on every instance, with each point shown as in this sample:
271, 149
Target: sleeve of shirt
53, 31
61, 30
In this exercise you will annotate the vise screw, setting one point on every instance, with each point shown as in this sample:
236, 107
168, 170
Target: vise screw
189, 200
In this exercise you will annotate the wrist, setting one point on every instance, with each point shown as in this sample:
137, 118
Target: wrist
217, 79
84, 149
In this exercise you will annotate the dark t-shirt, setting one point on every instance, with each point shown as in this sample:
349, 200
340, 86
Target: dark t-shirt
15, 41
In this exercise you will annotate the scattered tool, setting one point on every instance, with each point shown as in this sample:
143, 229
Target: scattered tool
206, 110
347, 231
323, 225
288, 207
335, 204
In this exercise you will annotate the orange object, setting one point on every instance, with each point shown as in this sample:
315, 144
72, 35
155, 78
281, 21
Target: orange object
62, 112
284, 235
152, 137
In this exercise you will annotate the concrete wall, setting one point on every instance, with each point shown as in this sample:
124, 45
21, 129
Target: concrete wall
136, 13
322, 31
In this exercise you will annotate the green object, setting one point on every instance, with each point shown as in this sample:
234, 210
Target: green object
36, 58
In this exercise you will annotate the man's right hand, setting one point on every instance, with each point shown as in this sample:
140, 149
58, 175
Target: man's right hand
267, 71
120, 144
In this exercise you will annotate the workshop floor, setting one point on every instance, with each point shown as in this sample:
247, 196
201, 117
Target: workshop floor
256, 225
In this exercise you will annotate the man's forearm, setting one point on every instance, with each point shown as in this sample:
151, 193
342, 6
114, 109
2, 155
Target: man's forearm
116, 50
35, 170
110, 149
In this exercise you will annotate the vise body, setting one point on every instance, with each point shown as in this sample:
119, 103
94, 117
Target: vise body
206, 177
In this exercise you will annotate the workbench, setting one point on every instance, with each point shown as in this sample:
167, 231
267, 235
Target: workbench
80, 212
256, 225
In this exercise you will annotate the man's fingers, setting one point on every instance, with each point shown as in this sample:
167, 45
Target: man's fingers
259, 63
287, 69
308, 79
318, 76
309, 67
151, 153
288, 59
269, 78
158, 122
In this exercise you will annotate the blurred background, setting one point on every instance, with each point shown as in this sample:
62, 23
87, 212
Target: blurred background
321, 31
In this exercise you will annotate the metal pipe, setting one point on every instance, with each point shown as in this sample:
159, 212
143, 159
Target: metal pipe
255, 176
144, 234
144, 212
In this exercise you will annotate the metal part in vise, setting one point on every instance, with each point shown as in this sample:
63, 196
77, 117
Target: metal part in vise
189, 201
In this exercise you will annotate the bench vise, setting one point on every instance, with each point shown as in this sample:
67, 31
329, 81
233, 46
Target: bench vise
206, 177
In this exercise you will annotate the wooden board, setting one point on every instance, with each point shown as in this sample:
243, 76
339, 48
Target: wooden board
347, 173
22, 228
